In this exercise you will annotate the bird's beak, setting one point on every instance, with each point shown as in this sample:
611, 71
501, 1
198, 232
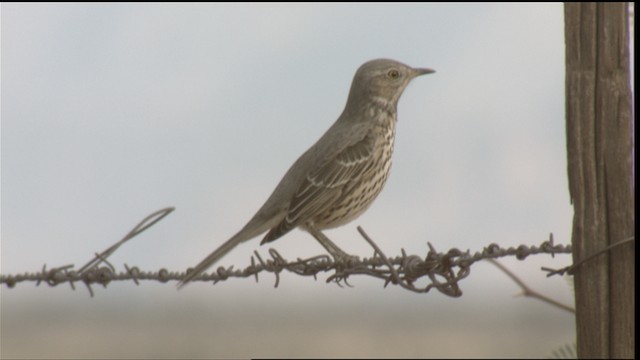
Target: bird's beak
423, 71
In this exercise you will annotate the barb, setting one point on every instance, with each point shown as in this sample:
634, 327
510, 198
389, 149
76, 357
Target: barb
571, 268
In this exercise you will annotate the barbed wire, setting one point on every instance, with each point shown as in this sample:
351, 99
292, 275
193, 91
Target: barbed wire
442, 271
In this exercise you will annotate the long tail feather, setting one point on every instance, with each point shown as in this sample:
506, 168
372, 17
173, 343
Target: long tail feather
212, 258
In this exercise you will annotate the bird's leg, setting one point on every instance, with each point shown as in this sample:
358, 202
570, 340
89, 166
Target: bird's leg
337, 253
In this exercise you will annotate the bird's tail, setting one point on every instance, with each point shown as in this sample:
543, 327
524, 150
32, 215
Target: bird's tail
213, 258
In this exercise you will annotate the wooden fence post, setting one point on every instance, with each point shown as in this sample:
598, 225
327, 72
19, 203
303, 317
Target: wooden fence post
600, 147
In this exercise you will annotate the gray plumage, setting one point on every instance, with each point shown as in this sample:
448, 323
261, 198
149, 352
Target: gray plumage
338, 177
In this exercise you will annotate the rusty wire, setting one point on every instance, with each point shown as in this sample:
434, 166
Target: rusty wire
442, 271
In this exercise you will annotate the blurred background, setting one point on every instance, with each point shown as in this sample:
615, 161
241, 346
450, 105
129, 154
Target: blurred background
112, 111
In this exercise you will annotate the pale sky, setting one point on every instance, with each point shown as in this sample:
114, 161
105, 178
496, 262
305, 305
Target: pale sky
110, 112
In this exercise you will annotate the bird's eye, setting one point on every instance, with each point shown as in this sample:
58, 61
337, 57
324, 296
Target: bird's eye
393, 74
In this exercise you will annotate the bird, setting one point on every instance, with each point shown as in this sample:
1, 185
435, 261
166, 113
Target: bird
340, 175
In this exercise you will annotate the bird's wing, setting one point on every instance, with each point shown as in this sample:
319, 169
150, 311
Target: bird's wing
325, 184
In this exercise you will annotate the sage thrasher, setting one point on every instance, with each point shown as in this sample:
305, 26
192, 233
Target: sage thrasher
338, 177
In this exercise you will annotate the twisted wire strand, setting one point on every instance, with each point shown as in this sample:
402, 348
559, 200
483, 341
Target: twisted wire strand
442, 270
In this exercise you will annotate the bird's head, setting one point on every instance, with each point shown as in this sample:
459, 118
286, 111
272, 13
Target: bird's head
383, 80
